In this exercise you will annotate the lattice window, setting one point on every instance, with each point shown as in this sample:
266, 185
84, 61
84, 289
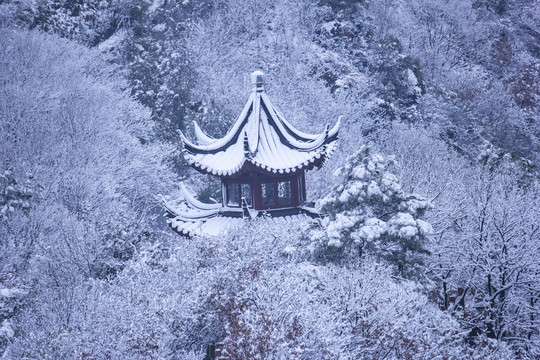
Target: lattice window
233, 195
284, 193
268, 194
246, 193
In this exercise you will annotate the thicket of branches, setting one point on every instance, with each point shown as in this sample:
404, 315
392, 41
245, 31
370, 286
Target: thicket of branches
91, 96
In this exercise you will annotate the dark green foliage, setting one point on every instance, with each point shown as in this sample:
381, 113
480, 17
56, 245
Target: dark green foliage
14, 194
158, 64
369, 213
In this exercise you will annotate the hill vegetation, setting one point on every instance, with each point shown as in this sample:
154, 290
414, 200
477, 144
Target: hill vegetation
430, 250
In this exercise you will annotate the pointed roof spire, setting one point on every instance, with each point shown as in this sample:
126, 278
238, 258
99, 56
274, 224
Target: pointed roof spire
257, 79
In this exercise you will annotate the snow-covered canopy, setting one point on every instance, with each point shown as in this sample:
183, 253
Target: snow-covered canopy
262, 137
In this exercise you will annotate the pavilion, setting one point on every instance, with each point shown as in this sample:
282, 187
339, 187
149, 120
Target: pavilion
261, 162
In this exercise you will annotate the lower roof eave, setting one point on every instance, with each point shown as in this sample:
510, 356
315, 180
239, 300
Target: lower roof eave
190, 227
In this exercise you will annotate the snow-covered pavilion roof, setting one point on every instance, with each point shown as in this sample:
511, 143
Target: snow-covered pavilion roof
261, 137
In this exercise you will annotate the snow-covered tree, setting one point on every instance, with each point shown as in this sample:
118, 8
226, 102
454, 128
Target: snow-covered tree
485, 244
85, 272
368, 212
75, 202
495, 259
16, 194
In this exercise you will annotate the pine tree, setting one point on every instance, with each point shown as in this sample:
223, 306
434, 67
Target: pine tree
369, 213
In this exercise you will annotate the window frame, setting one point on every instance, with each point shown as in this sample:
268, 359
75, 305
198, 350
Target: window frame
275, 203
301, 189
250, 204
290, 193
238, 185
228, 194
277, 200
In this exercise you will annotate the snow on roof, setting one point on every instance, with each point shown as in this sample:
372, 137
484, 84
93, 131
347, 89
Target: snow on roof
209, 227
220, 225
192, 217
260, 136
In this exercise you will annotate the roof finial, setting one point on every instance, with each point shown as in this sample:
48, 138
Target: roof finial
257, 80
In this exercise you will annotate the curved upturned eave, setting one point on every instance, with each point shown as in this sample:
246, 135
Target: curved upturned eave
193, 202
263, 138
231, 136
286, 136
290, 136
192, 213
291, 130
300, 135
202, 138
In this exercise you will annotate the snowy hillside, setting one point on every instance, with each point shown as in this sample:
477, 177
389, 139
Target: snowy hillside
431, 244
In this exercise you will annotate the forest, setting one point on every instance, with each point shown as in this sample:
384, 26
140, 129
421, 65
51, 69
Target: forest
430, 243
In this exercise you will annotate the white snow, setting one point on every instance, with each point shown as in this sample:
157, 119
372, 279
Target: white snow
408, 231
359, 172
390, 182
160, 27
373, 190
289, 250
354, 191
335, 242
155, 5
6, 330
403, 219
424, 227
372, 229
411, 78
328, 26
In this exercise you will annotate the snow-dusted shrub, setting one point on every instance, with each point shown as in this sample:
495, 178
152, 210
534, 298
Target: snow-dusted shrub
257, 292
384, 318
368, 212
15, 194
88, 22
65, 119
